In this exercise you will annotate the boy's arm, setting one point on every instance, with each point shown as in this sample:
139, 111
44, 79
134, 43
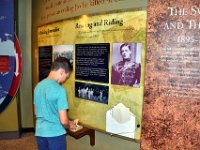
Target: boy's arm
34, 110
65, 120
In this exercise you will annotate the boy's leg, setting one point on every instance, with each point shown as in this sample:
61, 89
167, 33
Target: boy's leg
42, 143
57, 143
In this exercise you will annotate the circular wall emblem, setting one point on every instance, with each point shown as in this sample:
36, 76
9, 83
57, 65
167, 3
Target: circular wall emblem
10, 72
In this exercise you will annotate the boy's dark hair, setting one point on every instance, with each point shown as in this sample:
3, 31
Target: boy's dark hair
61, 62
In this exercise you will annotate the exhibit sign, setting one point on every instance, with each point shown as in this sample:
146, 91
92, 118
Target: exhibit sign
55, 10
92, 62
10, 55
45, 61
172, 76
90, 90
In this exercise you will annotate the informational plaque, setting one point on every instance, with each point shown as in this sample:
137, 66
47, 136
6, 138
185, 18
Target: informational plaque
45, 61
95, 41
92, 62
172, 76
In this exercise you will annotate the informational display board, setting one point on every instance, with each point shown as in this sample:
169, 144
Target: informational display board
45, 61
89, 89
172, 80
92, 62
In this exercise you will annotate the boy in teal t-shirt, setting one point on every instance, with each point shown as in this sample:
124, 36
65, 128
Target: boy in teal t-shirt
50, 103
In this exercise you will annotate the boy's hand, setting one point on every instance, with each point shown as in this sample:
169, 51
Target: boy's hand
72, 125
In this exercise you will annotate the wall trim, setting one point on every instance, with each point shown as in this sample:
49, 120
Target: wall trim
9, 135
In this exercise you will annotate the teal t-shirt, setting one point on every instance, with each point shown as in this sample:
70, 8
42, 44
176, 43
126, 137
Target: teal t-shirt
49, 98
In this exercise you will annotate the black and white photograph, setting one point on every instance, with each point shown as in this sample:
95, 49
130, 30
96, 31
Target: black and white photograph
92, 92
64, 51
126, 64
45, 61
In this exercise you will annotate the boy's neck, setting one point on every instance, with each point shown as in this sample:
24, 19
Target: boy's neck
53, 76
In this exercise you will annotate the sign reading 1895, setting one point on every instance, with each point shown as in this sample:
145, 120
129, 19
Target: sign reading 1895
186, 39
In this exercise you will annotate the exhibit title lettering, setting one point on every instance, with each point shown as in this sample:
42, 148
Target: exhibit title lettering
189, 24
185, 23
54, 9
48, 31
102, 22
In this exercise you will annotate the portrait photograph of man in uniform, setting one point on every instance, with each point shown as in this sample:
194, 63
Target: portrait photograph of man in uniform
126, 64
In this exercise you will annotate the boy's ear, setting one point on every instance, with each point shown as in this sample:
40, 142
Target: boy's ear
60, 71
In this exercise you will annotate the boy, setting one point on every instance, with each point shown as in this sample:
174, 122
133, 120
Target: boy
50, 105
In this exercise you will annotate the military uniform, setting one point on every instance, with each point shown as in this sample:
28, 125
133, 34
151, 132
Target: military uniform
126, 73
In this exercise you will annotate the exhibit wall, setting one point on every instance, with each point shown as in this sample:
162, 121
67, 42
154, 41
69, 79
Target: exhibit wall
171, 111
51, 11
92, 44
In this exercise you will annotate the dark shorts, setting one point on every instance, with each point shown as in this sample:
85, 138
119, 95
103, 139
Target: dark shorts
52, 143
